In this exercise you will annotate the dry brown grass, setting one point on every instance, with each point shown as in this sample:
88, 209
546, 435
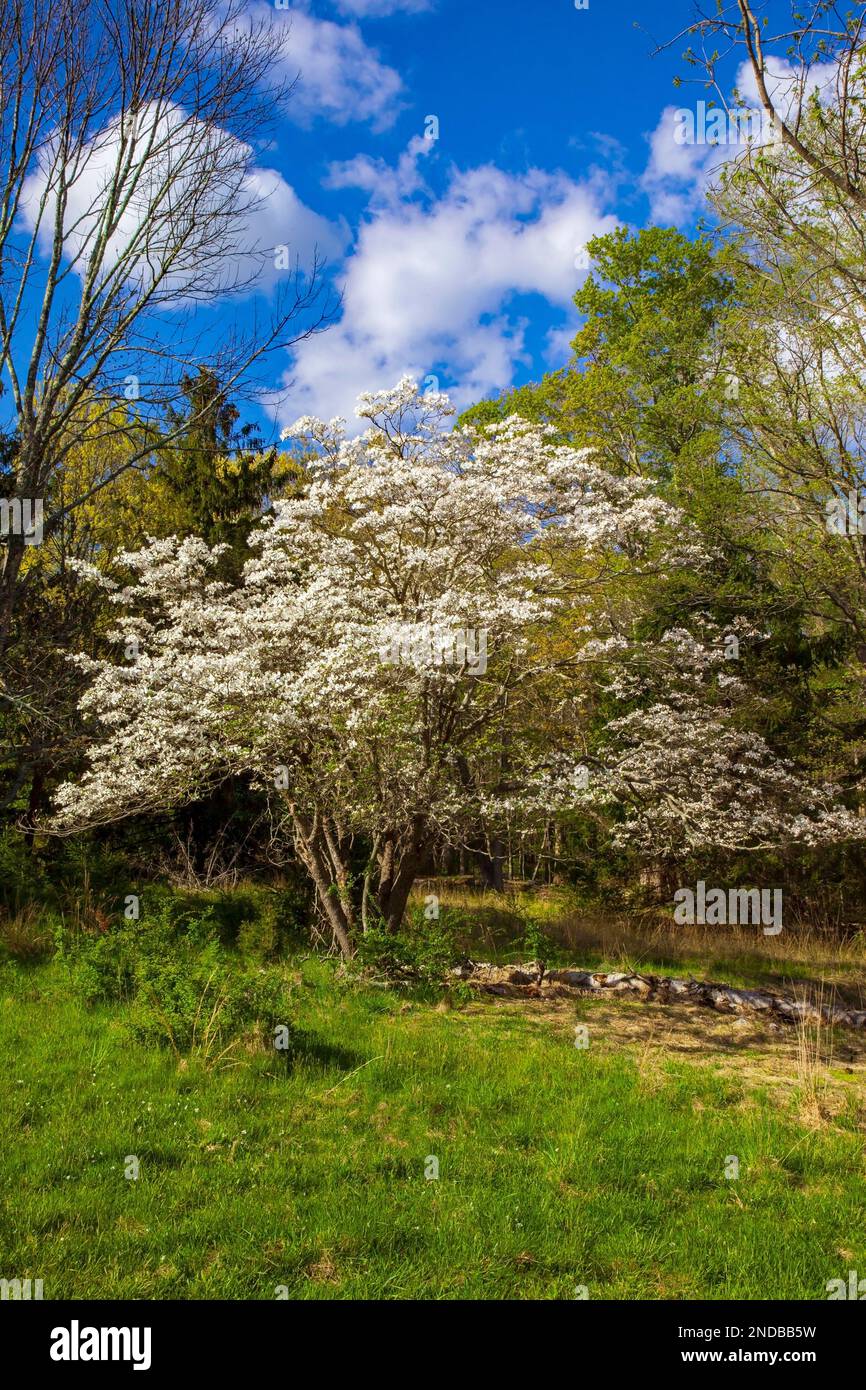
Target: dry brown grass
651, 941
816, 1072
813, 1069
24, 935
814, 1060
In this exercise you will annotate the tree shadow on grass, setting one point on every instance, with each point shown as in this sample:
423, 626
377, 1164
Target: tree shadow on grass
318, 1055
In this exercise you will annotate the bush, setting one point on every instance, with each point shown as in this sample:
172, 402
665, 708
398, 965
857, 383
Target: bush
186, 990
535, 943
281, 918
422, 953
205, 1010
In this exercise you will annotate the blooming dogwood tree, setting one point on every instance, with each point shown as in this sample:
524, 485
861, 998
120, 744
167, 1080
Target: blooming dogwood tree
380, 669
399, 656
688, 771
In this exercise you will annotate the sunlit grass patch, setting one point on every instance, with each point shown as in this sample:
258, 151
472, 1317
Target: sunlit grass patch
556, 1166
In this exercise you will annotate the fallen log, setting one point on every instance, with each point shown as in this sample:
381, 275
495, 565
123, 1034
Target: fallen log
534, 982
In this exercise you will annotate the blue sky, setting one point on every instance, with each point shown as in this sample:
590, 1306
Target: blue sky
450, 160
457, 256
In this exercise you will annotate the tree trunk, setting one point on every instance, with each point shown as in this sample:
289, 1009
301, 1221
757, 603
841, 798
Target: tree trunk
35, 804
323, 851
490, 858
400, 860
9, 587
557, 876
312, 848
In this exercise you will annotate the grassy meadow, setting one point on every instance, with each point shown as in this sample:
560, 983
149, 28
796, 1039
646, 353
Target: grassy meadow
310, 1173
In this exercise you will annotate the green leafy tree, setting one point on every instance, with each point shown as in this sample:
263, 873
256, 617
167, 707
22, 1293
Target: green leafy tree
216, 472
645, 386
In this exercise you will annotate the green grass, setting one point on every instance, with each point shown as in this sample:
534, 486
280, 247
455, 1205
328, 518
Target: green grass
558, 1166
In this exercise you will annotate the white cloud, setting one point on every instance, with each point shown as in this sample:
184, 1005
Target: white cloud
376, 9
283, 220
557, 344
677, 175
428, 287
384, 184
258, 209
340, 77
785, 82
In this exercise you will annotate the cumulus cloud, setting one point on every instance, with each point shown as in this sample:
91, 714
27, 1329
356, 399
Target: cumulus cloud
385, 184
557, 343
786, 82
430, 284
340, 78
678, 173
281, 219
184, 171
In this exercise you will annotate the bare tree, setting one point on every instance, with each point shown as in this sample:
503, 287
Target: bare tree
794, 338
126, 211
808, 71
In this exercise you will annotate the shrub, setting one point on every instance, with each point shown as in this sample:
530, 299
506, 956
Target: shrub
207, 1009
186, 990
535, 943
422, 953
281, 917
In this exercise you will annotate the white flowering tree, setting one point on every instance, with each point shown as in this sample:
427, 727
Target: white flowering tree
388, 666
402, 656
685, 766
